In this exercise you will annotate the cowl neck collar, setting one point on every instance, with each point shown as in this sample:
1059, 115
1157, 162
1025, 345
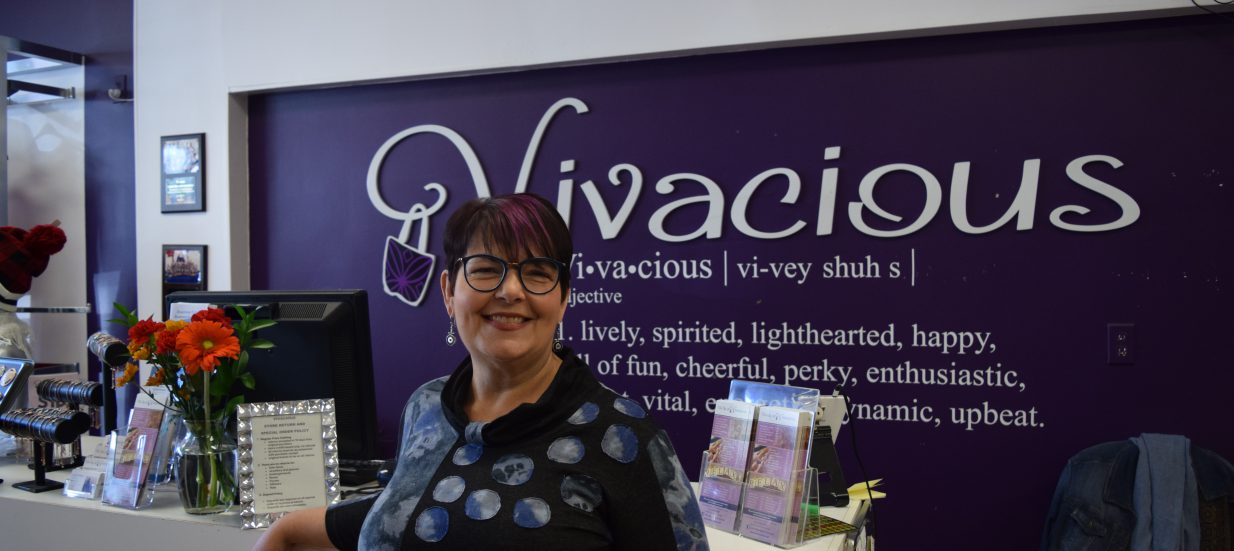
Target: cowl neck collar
563, 396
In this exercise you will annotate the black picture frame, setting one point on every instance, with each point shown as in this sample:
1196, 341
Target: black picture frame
182, 165
184, 269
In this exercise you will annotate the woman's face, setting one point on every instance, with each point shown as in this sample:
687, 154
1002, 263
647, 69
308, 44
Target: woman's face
505, 325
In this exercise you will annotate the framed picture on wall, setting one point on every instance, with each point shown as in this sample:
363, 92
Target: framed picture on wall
183, 167
184, 269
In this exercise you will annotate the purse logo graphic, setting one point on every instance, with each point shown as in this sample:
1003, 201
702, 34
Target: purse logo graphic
407, 269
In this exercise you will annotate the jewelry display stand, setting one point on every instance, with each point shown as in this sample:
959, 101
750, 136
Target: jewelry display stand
42, 457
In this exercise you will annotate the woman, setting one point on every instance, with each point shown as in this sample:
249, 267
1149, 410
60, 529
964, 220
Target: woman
521, 447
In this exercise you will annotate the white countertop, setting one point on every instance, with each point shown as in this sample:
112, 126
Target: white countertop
50, 520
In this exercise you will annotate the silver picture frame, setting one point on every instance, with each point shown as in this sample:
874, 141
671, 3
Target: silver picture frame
245, 415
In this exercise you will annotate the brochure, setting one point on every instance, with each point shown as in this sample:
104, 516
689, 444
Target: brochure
726, 463
772, 506
132, 455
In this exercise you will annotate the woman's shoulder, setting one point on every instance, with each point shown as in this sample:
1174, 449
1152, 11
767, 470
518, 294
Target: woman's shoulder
426, 397
433, 386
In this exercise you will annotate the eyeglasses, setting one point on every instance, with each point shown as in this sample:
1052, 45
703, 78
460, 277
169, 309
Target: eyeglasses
485, 272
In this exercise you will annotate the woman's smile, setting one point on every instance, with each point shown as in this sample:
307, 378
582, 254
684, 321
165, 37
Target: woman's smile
505, 320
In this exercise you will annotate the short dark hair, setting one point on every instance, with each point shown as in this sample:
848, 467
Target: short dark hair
516, 223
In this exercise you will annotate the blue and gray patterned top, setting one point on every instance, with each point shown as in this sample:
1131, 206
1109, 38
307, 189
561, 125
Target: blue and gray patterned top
582, 468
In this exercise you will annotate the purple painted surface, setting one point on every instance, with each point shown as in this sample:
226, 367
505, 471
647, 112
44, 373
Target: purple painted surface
1147, 94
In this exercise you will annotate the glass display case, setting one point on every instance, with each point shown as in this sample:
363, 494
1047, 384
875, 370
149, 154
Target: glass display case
33, 74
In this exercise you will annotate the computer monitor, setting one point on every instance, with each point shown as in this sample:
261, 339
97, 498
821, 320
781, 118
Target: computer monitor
322, 349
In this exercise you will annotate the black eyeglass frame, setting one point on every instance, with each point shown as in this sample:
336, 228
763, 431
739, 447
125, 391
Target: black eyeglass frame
505, 270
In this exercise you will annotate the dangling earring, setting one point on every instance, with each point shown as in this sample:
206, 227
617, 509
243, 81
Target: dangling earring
557, 346
450, 340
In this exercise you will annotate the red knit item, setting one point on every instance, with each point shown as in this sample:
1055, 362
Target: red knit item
24, 255
45, 240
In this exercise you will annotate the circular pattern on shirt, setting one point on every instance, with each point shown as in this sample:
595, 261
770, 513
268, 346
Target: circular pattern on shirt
468, 454
585, 413
449, 489
432, 524
581, 492
513, 469
531, 512
629, 407
482, 505
620, 443
567, 449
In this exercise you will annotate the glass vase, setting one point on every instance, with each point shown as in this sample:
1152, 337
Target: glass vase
205, 466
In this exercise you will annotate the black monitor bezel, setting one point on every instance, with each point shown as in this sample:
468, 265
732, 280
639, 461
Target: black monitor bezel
357, 299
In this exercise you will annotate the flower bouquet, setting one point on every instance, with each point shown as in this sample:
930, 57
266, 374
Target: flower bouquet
203, 363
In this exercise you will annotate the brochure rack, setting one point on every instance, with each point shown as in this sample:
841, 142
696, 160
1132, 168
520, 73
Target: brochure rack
125, 484
770, 502
796, 527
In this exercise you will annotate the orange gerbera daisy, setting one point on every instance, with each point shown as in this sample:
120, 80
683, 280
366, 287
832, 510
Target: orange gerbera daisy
203, 343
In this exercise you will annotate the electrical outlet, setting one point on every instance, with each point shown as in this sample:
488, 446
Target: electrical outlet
1120, 343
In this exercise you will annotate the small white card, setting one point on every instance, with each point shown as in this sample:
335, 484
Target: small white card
84, 484
184, 311
86, 481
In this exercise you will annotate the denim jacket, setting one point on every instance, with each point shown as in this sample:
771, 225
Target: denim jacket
1092, 508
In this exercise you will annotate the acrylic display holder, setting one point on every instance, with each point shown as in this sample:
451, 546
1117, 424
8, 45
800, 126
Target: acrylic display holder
86, 482
125, 486
777, 511
833, 491
84, 485
815, 524
785, 513
782, 512
795, 527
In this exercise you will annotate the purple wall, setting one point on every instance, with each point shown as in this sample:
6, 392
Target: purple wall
103, 31
1145, 96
